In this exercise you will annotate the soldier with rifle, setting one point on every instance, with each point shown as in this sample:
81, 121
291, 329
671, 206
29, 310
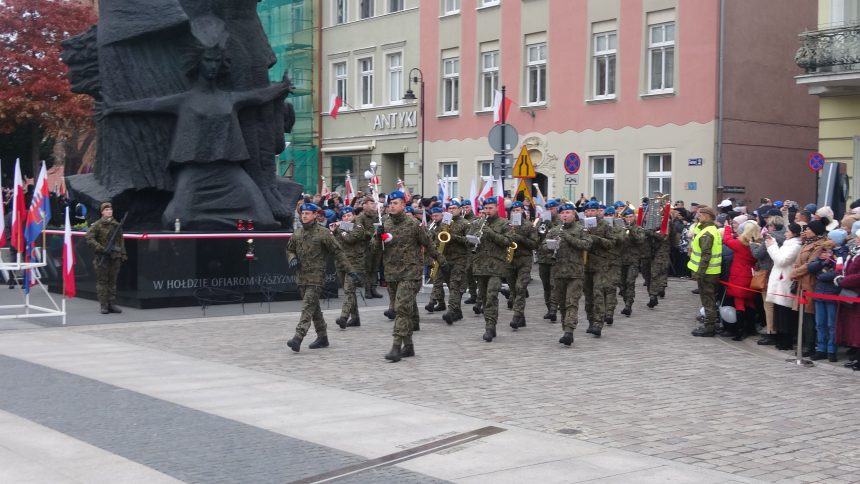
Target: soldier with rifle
105, 238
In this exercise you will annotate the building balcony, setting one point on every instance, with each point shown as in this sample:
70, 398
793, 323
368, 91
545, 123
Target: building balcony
831, 59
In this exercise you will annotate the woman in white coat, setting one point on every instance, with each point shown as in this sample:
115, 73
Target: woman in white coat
779, 284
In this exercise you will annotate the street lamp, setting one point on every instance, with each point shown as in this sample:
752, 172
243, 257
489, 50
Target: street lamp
410, 96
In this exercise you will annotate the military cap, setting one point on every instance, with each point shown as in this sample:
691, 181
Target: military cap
592, 205
551, 204
628, 211
609, 211
566, 206
409, 209
517, 204
467, 202
105, 205
618, 204
490, 200
395, 195
346, 210
436, 210
454, 203
309, 207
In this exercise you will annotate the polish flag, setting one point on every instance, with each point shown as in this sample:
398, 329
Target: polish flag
19, 210
473, 197
487, 191
501, 199
350, 193
334, 106
325, 192
500, 111
68, 260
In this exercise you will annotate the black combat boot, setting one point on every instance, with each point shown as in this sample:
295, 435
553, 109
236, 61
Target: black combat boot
389, 313
341, 321
567, 339
407, 351
704, 332
609, 320
662, 294
104, 309
597, 332
394, 355
489, 335
471, 300
627, 311
653, 302
505, 292
320, 342
522, 321
295, 344
375, 293
551, 313
477, 309
416, 326
458, 315
440, 306
449, 317
367, 293
510, 303
112, 308
354, 322
515, 322
590, 328
431, 306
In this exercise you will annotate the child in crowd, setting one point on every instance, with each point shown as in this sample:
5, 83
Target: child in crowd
825, 268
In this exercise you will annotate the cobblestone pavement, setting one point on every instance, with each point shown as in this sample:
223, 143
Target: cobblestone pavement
646, 386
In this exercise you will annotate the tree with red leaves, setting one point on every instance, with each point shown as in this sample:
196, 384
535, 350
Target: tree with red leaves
34, 88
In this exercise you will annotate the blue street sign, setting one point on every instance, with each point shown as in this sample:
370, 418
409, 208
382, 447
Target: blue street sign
572, 163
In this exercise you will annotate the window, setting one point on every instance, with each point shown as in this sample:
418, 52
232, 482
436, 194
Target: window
449, 176
340, 82
395, 78
489, 78
486, 168
659, 173
365, 9
297, 17
451, 85
395, 5
605, 45
365, 69
488, 3
536, 73
661, 57
603, 178
450, 7
340, 11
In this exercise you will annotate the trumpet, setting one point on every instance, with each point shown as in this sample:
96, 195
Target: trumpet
443, 237
509, 255
542, 229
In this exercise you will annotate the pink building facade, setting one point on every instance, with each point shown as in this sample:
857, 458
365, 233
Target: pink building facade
638, 89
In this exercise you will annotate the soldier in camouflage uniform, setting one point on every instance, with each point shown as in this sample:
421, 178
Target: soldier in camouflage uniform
457, 253
545, 260
527, 239
108, 259
403, 238
307, 253
489, 263
469, 217
354, 244
437, 295
615, 255
661, 247
631, 245
597, 278
373, 257
568, 271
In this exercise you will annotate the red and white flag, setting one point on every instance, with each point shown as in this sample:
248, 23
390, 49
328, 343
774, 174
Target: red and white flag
68, 260
19, 210
499, 116
334, 106
473, 197
350, 193
325, 193
487, 191
501, 199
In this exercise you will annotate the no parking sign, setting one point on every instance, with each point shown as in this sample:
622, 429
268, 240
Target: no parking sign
816, 162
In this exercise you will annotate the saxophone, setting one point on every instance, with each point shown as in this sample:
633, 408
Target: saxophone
509, 255
443, 237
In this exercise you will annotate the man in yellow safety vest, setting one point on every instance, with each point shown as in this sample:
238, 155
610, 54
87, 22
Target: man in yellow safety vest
705, 262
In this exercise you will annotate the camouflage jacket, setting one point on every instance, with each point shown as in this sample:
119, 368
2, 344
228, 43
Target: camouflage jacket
99, 233
603, 240
616, 252
312, 244
490, 258
527, 240
574, 242
367, 220
631, 244
401, 255
544, 255
457, 251
354, 244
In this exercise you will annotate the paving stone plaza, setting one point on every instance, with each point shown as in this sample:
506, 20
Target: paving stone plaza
221, 399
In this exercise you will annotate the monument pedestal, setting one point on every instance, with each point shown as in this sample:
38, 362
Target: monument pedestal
166, 269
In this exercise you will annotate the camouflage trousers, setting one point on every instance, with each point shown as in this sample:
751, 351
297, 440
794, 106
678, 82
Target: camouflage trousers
106, 274
350, 303
611, 295
568, 291
471, 281
627, 283
545, 273
659, 269
595, 286
405, 308
518, 280
645, 270
488, 290
707, 284
372, 261
311, 312
456, 280
438, 292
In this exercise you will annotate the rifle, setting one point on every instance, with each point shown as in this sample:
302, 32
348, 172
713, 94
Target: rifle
111, 242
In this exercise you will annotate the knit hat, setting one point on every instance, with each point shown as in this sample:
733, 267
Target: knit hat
839, 236
797, 229
817, 227
827, 212
740, 219
811, 208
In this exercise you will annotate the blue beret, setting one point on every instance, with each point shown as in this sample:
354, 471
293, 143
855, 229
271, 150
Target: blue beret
345, 210
329, 213
627, 212
454, 203
593, 199
602, 207
436, 210
409, 209
566, 206
592, 205
396, 195
467, 202
811, 207
609, 211
551, 204
778, 204
618, 204
517, 204
309, 207
490, 200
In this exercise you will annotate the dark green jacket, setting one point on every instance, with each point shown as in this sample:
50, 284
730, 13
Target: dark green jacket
574, 242
495, 239
99, 233
354, 244
312, 244
603, 240
402, 255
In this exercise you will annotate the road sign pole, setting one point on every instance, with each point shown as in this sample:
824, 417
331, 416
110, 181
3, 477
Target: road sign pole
504, 149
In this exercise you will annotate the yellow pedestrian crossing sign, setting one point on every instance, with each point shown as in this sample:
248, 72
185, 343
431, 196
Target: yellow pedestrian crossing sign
524, 168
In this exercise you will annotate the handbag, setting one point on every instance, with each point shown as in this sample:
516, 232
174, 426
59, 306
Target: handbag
759, 280
847, 293
793, 288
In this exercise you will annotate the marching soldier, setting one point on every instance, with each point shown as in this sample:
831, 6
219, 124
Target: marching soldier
457, 254
545, 260
489, 264
597, 278
354, 243
468, 214
105, 238
526, 237
367, 218
469, 217
571, 246
615, 256
403, 238
660, 251
437, 295
306, 253
630, 250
